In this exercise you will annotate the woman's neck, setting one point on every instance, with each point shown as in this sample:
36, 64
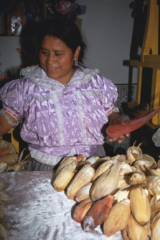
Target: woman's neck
65, 80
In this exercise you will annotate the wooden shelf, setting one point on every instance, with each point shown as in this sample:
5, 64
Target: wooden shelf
152, 58
136, 63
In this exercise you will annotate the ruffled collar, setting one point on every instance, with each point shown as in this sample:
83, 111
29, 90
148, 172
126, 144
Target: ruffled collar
37, 75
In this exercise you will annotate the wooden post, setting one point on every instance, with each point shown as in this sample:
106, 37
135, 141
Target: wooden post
139, 86
150, 40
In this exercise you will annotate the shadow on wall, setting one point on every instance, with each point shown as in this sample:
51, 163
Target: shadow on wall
139, 13
28, 51
29, 57
30, 44
10, 74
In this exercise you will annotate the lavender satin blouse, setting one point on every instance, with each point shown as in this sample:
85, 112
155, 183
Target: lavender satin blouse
56, 117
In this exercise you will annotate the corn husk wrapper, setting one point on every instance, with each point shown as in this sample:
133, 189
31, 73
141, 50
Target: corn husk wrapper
8, 145
81, 209
155, 206
4, 196
117, 218
149, 158
2, 185
64, 176
121, 195
140, 205
92, 159
122, 158
12, 158
106, 183
82, 178
136, 231
81, 158
100, 161
3, 167
134, 153
136, 178
66, 161
97, 213
153, 185
101, 169
122, 182
4, 151
125, 169
117, 158
1, 210
155, 227
154, 172
18, 166
3, 233
143, 164
83, 193
124, 233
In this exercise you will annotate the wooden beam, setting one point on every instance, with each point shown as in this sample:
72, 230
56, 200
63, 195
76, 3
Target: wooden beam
150, 29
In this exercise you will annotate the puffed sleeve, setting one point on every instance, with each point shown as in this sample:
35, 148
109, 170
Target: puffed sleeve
109, 96
12, 98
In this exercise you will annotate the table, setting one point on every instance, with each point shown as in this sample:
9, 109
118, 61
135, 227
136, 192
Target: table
39, 212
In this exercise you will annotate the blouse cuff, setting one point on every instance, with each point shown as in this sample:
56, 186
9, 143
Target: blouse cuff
114, 109
3, 113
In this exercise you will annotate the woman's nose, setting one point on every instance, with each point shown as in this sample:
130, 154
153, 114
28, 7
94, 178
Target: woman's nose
51, 58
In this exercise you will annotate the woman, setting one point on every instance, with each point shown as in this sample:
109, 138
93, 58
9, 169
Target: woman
61, 105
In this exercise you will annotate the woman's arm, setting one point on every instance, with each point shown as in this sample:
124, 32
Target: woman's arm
4, 125
112, 118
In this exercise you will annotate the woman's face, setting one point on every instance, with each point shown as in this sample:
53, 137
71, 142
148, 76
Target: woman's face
57, 59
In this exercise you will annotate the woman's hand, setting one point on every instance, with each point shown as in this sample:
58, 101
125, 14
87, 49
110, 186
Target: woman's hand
4, 125
112, 119
120, 139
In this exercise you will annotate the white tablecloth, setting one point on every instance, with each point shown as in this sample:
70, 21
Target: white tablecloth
39, 212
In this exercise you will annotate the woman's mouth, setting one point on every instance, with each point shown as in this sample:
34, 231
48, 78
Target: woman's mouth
52, 69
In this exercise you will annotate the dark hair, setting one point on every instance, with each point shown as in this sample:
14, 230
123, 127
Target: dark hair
68, 32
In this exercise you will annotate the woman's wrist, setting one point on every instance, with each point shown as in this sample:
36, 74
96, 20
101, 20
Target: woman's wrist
116, 120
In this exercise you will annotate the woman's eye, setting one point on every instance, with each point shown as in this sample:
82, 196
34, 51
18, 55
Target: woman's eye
43, 52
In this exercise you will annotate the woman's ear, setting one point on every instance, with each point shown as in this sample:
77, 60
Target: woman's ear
77, 52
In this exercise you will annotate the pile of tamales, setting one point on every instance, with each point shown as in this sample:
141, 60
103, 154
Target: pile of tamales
120, 193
